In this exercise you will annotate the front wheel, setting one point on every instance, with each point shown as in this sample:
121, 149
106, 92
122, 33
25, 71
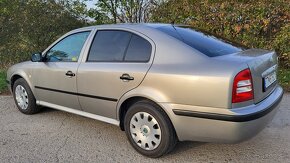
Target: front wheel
24, 97
149, 129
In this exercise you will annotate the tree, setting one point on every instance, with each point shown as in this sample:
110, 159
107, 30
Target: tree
259, 24
28, 26
126, 11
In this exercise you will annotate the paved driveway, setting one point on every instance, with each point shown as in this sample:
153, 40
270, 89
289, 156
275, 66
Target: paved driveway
55, 136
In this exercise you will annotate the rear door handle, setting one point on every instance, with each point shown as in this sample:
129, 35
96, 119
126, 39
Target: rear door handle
126, 77
70, 74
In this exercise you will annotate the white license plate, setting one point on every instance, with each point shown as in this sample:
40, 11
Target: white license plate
270, 79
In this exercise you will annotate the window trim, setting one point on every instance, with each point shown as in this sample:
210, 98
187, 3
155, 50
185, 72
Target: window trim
64, 37
124, 55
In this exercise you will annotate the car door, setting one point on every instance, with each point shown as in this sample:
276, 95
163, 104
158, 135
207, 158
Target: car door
116, 63
56, 75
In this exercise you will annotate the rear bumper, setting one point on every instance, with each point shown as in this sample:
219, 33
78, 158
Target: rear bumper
223, 125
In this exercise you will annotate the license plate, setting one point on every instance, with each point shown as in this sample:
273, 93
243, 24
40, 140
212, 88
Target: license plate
269, 80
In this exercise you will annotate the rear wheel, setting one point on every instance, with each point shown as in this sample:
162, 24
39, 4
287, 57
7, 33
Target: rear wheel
24, 97
149, 129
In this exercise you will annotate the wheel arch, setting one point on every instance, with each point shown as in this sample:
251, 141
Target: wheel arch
19, 75
125, 106
134, 96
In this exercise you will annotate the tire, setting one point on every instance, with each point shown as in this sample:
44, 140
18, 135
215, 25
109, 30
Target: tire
24, 98
147, 131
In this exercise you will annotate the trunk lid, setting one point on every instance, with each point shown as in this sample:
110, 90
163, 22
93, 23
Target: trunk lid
263, 66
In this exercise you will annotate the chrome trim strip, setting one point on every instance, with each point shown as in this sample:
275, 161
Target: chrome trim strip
79, 112
269, 70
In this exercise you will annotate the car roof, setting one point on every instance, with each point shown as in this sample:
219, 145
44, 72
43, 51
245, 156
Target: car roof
123, 25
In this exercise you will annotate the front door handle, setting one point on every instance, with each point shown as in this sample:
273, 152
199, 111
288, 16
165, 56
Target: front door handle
126, 77
70, 74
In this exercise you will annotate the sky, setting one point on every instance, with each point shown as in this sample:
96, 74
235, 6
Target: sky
91, 3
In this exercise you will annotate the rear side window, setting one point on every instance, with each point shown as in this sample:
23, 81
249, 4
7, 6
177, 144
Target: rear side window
119, 46
207, 44
109, 46
139, 50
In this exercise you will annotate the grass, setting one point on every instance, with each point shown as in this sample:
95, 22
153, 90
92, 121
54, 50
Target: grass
3, 85
283, 77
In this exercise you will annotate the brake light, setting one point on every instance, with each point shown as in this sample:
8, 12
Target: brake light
243, 87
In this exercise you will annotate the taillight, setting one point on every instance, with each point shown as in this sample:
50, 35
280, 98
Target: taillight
243, 87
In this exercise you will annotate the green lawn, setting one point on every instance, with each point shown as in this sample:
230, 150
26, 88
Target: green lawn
283, 75
284, 79
3, 86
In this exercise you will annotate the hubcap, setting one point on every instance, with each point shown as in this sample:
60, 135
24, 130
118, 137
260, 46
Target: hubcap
145, 131
21, 97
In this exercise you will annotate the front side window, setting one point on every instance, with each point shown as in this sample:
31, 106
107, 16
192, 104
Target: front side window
68, 49
119, 46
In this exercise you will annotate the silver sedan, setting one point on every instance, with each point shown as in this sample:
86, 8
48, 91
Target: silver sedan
160, 83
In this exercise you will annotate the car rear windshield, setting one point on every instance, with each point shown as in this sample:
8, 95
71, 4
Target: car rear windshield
206, 43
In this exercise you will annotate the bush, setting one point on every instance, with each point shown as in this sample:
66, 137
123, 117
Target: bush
29, 26
256, 24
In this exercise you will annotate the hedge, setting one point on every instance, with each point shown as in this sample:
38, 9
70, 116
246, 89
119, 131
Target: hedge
256, 24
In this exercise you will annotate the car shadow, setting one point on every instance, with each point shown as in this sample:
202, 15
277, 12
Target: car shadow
180, 147
44, 110
184, 146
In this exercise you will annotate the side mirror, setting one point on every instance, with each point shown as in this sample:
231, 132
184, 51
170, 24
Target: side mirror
37, 57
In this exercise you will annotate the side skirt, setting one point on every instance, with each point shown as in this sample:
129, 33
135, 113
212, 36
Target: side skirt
79, 112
